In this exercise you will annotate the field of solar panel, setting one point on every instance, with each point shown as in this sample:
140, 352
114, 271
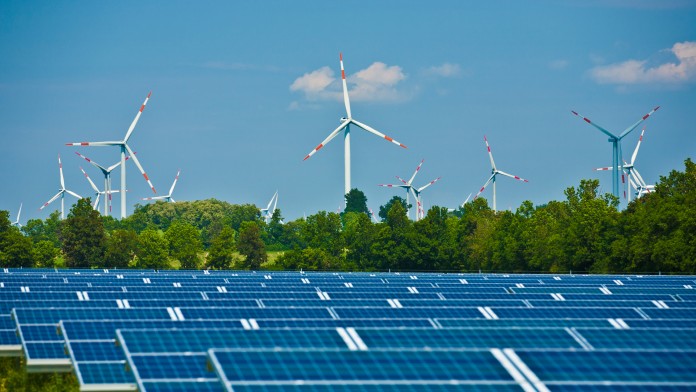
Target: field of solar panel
125, 330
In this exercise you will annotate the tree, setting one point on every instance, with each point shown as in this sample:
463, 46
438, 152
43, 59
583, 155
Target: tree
356, 201
221, 252
152, 250
384, 210
83, 237
38, 230
44, 254
359, 234
184, 244
323, 231
15, 249
251, 246
120, 248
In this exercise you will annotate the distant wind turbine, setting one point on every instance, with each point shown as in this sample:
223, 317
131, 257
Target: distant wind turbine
123, 146
495, 172
168, 197
61, 193
420, 212
107, 181
634, 178
16, 223
345, 127
97, 192
406, 185
615, 140
267, 213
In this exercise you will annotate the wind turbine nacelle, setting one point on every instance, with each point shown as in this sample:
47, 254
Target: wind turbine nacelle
343, 119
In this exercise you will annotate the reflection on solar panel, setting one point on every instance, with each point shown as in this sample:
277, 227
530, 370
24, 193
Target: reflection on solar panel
276, 331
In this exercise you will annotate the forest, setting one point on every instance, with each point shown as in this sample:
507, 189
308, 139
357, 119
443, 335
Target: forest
585, 233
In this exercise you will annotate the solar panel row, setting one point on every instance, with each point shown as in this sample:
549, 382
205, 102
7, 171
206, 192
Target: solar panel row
215, 330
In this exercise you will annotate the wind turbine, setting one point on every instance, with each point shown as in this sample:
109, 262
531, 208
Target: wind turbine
167, 197
267, 213
97, 192
420, 212
494, 173
107, 181
634, 178
345, 127
406, 185
123, 146
16, 223
61, 193
616, 145
374, 218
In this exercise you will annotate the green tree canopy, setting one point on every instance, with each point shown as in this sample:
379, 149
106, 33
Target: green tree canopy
83, 237
121, 246
15, 249
152, 251
184, 244
221, 252
356, 201
384, 210
251, 246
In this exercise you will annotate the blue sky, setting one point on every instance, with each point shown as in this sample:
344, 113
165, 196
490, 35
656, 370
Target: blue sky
242, 91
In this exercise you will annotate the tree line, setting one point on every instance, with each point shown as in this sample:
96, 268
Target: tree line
583, 233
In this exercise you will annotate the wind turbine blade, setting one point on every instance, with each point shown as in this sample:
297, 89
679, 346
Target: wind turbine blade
375, 132
485, 185
346, 100
155, 198
95, 164
93, 144
60, 168
20, 212
417, 199
328, 139
467, 200
90, 180
512, 176
171, 190
51, 200
587, 120
391, 186
632, 127
275, 203
635, 152
639, 178
73, 193
137, 163
428, 184
137, 117
117, 164
408, 184
490, 154
604, 168
95, 205
416, 172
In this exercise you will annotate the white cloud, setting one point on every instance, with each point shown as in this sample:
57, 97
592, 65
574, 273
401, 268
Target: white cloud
445, 70
558, 64
679, 70
314, 82
378, 82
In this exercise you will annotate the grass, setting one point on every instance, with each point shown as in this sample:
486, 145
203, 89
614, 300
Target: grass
14, 377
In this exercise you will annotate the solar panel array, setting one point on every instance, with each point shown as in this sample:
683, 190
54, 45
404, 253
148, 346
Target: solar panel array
125, 330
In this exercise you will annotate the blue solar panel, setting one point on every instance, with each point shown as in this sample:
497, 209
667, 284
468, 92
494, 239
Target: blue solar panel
345, 367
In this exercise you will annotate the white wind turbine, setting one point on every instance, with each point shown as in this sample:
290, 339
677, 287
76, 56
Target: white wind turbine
123, 146
267, 213
97, 192
345, 127
168, 197
16, 223
61, 193
420, 212
406, 185
107, 181
495, 172
634, 177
